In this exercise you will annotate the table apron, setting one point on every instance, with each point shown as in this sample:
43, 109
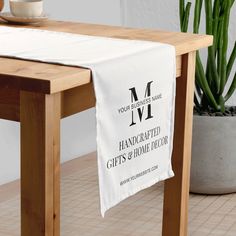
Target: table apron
74, 100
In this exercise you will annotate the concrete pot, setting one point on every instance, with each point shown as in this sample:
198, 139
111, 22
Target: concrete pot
213, 169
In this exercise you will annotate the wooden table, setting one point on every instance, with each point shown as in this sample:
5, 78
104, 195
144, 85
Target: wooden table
39, 95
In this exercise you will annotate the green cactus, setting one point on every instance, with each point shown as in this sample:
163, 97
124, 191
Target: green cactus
211, 82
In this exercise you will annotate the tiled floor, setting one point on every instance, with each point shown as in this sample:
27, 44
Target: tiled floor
137, 216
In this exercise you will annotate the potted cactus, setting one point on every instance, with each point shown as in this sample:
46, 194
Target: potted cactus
214, 128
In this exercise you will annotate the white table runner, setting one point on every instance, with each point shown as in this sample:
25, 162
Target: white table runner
135, 95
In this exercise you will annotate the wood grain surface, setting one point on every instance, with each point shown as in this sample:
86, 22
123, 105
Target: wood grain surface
48, 78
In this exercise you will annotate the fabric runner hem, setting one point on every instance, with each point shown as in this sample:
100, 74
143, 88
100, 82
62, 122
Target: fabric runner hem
164, 176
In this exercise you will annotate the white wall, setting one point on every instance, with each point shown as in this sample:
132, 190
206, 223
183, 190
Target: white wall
102, 11
78, 131
161, 14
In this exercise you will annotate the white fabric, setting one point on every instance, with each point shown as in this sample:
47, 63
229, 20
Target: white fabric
132, 80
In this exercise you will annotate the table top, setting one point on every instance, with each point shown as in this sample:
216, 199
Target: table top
49, 78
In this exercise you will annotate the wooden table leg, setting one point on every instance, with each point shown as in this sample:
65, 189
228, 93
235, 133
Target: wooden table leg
176, 191
40, 164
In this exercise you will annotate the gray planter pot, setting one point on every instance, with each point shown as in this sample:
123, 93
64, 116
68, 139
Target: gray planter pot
213, 169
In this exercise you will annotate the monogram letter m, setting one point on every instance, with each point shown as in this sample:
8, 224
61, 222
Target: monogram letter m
140, 110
